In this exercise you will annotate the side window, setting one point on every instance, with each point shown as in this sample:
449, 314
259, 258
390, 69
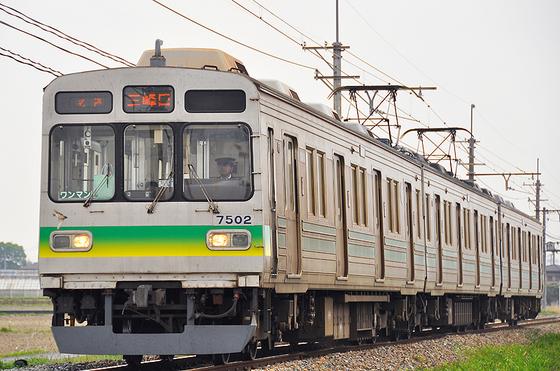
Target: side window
316, 191
447, 219
428, 217
418, 214
311, 176
393, 206
359, 195
82, 160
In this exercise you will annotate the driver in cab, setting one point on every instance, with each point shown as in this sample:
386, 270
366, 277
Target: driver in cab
225, 167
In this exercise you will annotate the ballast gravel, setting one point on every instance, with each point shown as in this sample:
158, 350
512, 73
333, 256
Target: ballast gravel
427, 353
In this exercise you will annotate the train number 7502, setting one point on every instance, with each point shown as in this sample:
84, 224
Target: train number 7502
234, 219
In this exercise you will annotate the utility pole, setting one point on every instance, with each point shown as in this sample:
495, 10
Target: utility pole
337, 69
471, 149
337, 77
538, 193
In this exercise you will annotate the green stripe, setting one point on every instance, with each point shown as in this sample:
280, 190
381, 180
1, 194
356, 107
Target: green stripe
281, 240
316, 244
145, 241
362, 236
450, 264
396, 243
362, 251
318, 228
395, 255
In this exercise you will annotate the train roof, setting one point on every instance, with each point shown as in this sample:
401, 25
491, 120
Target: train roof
196, 58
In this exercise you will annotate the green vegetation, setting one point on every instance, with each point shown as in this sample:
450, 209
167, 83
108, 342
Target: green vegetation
41, 360
541, 354
12, 256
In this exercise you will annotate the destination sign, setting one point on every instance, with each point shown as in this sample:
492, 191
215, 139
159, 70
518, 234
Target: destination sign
83, 102
148, 99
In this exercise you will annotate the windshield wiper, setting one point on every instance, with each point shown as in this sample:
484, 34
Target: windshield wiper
98, 188
160, 192
211, 204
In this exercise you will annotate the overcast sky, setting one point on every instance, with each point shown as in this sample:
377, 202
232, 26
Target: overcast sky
502, 56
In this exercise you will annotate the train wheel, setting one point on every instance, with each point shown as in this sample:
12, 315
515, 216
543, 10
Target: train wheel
220, 359
133, 359
251, 351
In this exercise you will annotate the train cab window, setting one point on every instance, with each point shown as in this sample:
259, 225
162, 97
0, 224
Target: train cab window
82, 161
148, 162
217, 162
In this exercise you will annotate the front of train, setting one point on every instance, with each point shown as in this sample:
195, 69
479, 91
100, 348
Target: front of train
151, 238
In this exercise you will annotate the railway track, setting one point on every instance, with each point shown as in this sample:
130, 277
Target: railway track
286, 353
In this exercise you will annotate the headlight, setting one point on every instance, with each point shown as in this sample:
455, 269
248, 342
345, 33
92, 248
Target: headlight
230, 239
71, 241
81, 241
219, 240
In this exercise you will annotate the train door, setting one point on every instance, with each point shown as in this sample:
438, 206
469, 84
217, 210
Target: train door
477, 248
340, 218
409, 232
379, 233
293, 241
492, 251
272, 202
459, 246
439, 242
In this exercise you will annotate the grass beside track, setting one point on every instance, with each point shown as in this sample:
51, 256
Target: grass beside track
40, 360
540, 354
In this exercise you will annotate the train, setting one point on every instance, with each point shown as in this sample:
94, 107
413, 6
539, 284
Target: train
188, 208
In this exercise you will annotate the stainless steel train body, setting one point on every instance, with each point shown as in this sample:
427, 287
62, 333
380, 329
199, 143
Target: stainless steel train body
323, 232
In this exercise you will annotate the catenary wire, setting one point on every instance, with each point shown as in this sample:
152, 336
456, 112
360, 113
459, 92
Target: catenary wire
62, 35
29, 62
56, 46
231, 39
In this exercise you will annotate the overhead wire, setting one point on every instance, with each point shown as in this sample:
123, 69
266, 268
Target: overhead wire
23, 60
52, 44
316, 53
229, 38
22, 16
400, 54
